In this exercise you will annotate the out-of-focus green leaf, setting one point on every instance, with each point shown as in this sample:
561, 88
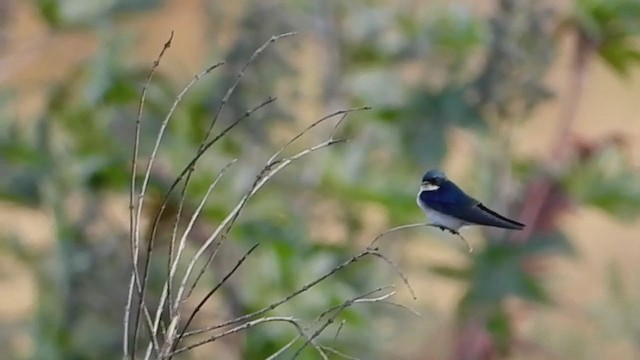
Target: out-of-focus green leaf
619, 56
50, 11
552, 243
456, 33
12, 245
425, 120
498, 273
399, 204
71, 13
607, 181
611, 26
499, 325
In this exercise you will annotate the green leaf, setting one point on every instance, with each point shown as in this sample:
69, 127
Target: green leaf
550, 243
498, 273
50, 11
620, 56
427, 118
499, 325
608, 182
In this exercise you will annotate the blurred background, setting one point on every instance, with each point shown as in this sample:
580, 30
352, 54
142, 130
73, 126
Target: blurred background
532, 106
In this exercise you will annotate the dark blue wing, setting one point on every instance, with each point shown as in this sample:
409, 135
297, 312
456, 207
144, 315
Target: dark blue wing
449, 199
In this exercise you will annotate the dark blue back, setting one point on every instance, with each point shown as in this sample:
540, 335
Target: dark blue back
447, 199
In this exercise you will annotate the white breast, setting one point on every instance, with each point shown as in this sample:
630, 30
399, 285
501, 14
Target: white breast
438, 218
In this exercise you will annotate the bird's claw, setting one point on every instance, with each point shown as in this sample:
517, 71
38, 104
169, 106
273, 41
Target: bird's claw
453, 232
444, 228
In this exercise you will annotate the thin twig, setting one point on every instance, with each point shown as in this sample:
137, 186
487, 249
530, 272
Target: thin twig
316, 123
143, 192
204, 268
187, 170
309, 340
212, 291
271, 169
394, 229
172, 244
340, 308
182, 245
363, 299
246, 326
398, 270
284, 348
342, 118
341, 354
335, 337
267, 172
134, 245
355, 300
239, 76
408, 226
287, 298
402, 306
234, 213
205, 145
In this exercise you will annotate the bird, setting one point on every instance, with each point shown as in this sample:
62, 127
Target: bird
449, 208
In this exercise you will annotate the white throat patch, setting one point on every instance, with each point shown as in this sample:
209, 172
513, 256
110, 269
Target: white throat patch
429, 187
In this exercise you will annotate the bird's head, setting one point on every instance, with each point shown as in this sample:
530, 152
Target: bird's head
432, 180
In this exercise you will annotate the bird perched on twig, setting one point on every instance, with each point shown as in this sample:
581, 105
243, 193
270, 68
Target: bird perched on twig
449, 208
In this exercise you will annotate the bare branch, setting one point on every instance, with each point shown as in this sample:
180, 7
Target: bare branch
203, 269
316, 123
176, 331
284, 348
246, 326
188, 169
141, 283
404, 278
182, 245
408, 226
341, 354
335, 337
135, 276
212, 291
204, 146
271, 169
276, 304
337, 312
355, 300
294, 294
405, 307
239, 76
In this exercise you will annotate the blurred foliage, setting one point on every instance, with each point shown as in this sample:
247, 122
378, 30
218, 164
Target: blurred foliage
612, 28
522, 47
424, 72
62, 14
605, 178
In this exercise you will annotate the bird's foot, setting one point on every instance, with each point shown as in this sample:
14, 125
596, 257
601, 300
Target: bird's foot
455, 232
444, 228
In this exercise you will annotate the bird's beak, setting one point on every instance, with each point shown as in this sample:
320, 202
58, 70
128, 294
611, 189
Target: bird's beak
427, 186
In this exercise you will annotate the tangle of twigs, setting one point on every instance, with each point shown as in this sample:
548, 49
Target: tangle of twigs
166, 337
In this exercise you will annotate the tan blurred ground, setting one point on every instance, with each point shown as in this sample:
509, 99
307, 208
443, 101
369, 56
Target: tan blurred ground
34, 56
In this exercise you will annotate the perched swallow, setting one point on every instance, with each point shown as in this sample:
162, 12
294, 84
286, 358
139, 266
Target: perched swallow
449, 208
